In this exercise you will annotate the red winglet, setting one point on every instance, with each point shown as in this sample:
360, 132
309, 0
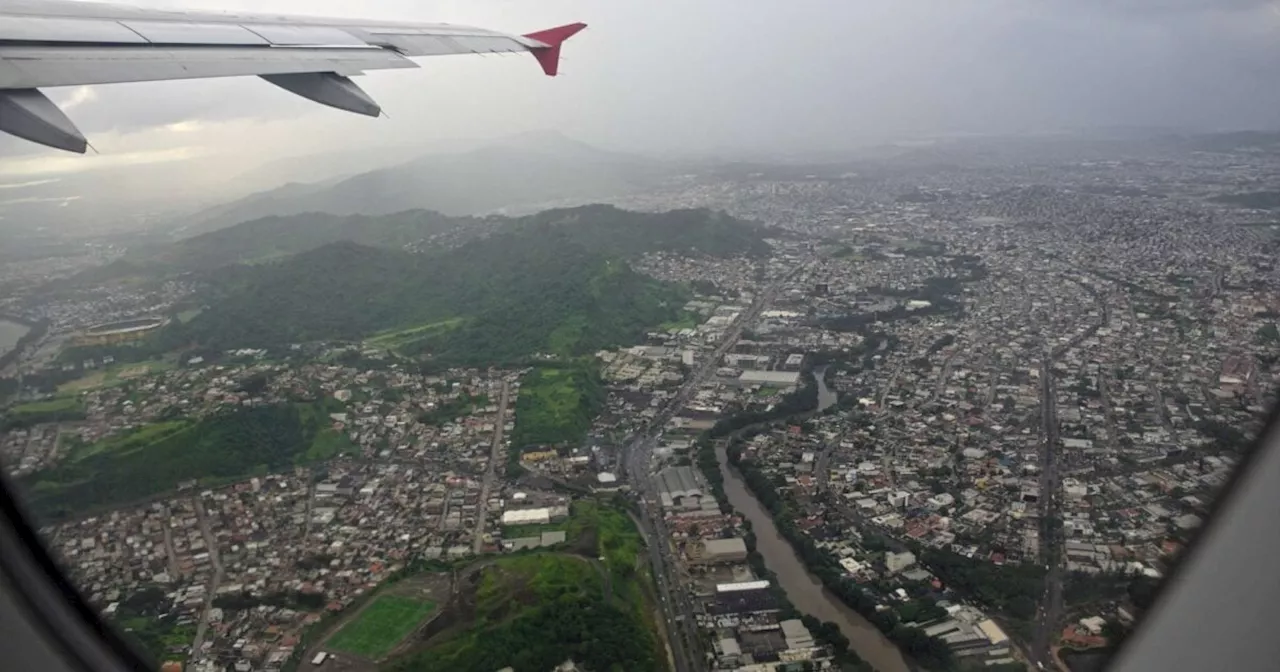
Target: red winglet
549, 56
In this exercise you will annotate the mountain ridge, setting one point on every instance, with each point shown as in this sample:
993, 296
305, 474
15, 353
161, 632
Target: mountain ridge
517, 171
603, 228
496, 299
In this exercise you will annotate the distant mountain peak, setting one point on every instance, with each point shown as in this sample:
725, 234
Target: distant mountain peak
524, 170
546, 141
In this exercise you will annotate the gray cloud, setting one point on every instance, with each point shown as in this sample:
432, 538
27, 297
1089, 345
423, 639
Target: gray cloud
726, 75
1173, 6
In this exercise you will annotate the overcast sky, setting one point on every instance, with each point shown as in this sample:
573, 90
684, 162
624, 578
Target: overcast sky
718, 75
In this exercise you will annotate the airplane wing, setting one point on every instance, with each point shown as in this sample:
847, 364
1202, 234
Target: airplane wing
46, 43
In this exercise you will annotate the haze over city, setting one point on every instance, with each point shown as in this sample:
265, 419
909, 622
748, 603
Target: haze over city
692, 79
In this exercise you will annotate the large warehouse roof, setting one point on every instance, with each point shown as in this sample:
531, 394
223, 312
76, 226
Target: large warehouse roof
742, 585
526, 516
678, 482
770, 377
723, 547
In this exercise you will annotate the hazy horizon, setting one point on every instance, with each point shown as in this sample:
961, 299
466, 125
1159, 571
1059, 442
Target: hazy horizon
710, 78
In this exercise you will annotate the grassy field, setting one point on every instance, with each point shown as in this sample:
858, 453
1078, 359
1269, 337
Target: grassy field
617, 540
518, 531
116, 374
57, 409
327, 442
381, 626
688, 320
48, 406
556, 405
55, 405
395, 338
126, 444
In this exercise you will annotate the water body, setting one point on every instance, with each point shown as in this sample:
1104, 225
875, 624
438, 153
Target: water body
802, 588
10, 332
826, 397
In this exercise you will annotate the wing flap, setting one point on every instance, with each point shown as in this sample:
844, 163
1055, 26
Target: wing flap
45, 29
209, 34
283, 35
33, 67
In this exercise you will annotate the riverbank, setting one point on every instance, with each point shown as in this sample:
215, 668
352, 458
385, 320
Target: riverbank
12, 330
16, 334
802, 587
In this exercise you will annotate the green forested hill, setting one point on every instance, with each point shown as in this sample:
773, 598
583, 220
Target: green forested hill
558, 282
605, 228
533, 611
275, 237
599, 228
496, 299
231, 444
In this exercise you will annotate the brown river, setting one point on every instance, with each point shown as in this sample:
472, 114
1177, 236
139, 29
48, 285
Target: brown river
802, 588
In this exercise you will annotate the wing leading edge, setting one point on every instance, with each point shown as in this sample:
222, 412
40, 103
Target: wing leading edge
45, 43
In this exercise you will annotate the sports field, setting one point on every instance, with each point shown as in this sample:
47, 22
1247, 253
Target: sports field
380, 627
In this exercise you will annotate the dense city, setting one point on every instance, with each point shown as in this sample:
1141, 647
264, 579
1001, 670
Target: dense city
952, 419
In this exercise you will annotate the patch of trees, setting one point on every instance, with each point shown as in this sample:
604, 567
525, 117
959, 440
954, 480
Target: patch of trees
928, 651
450, 409
605, 228
596, 635
1003, 588
317, 561
294, 599
24, 419
142, 621
1227, 437
942, 342
255, 385
1084, 588
230, 444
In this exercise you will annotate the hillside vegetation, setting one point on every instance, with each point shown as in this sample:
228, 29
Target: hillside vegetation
556, 283
58, 409
556, 406
605, 228
534, 611
499, 299
225, 446
275, 237
599, 228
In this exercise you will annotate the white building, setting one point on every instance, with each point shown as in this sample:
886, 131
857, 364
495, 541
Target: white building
896, 562
526, 516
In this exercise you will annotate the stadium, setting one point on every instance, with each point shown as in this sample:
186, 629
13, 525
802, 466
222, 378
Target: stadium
121, 331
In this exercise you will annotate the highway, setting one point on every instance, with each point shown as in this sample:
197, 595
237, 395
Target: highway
1050, 611
676, 603
496, 456
1051, 532
211, 544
